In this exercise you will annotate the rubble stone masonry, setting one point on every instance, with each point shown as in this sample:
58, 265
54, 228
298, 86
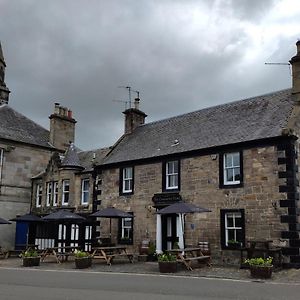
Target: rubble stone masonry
259, 197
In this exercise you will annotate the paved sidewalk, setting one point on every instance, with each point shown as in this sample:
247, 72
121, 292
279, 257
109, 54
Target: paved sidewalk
283, 276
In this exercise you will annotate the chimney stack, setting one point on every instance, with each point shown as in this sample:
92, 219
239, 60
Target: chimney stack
62, 127
134, 117
295, 62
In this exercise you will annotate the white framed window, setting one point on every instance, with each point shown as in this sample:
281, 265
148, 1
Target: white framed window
65, 191
55, 193
49, 193
126, 231
232, 168
85, 191
233, 228
127, 180
126, 228
172, 173
38, 196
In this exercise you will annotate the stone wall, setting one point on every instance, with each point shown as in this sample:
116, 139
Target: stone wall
20, 163
200, 185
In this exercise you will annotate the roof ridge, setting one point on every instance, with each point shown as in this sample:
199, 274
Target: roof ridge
96, 149
215, 106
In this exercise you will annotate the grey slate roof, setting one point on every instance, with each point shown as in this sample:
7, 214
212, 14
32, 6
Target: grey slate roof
71, 158
14, 126
240, 121
87, 159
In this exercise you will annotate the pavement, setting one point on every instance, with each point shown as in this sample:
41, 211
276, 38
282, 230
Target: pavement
123, 266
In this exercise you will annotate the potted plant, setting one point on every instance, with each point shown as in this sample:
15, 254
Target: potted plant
30, 258
233, 244
260, 267
167, 263
152, 252
82, 259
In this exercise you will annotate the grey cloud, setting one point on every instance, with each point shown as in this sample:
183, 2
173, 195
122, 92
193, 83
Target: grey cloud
78, 55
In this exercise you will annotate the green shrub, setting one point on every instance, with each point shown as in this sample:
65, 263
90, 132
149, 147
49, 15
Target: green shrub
152, 248
259, 261
30, 253
166, 257
81, 254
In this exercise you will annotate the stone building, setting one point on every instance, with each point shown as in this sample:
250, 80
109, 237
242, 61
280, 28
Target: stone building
66, 183
25, 149
240, 160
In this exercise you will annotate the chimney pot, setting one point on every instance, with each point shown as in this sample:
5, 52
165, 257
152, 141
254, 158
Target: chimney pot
298, 47
137, 103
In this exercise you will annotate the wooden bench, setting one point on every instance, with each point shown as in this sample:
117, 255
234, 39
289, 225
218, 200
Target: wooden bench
128, 255
188, 260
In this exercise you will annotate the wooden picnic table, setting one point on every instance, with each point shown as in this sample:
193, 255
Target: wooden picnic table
60, 253
188, 255
109, 253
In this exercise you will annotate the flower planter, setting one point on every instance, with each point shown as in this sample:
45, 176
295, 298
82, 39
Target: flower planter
261, 272
83, 262
167, 266
31, 261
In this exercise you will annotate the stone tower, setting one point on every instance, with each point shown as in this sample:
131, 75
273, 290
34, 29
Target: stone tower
4, 91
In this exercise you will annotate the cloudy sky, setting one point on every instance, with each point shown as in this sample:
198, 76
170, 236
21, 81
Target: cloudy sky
182, 55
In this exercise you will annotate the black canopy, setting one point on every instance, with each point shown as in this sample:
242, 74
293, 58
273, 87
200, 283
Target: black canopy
63, 215
182, 208
111, 212
2, 221
27, 218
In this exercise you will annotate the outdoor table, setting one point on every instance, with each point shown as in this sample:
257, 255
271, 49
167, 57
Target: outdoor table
188, 255
60, 253
109, 253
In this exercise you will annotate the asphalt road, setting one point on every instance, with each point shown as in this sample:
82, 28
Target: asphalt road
30, 284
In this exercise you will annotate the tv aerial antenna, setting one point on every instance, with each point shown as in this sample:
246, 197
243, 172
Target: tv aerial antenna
279, 64
128, 103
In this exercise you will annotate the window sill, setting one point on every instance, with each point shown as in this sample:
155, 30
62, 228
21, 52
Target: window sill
231, 186
233, 247
126, 194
